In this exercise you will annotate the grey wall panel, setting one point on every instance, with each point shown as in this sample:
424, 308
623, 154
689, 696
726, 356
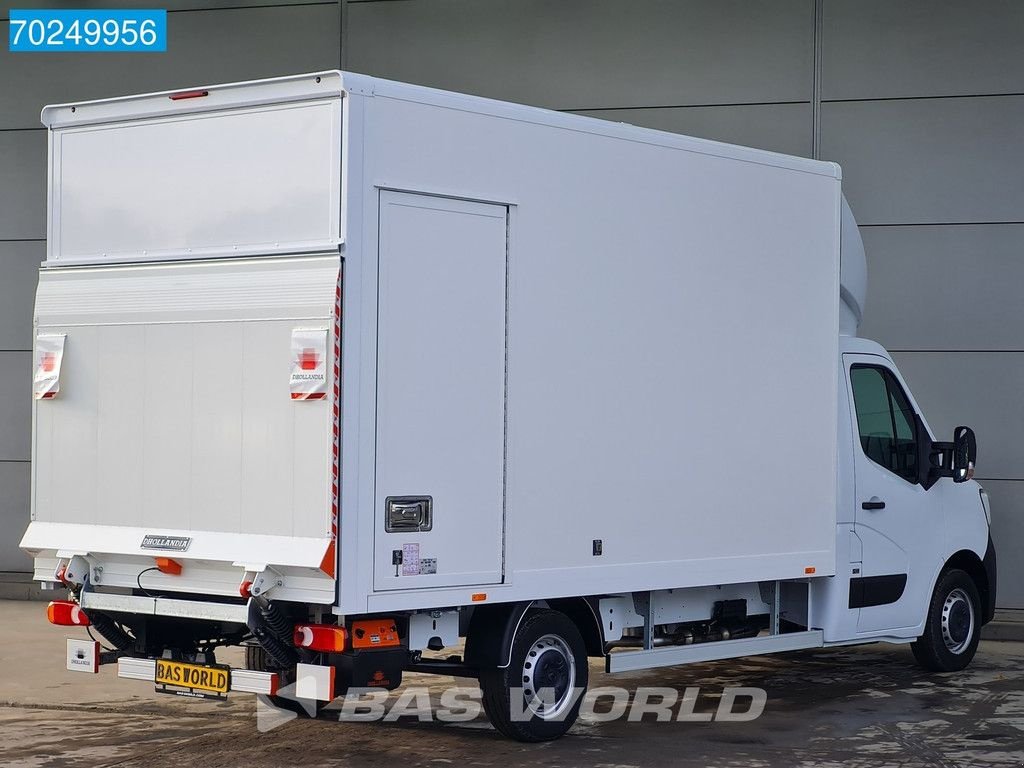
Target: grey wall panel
1007, 500
979, 389
203, 47
591, 54
15, 406
14, 514
945, 287
19, 269
777, 127
22, 184
169, 5
881, 48
929, 160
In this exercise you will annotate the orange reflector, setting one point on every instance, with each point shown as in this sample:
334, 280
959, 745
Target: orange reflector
65, 613
375, 633
168, 566
320, 637
479, 597
810, 569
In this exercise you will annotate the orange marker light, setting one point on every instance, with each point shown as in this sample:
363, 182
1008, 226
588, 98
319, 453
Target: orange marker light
168, 566
479, 597
810, 569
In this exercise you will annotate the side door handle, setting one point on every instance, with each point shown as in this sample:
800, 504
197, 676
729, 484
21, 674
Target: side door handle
873, 503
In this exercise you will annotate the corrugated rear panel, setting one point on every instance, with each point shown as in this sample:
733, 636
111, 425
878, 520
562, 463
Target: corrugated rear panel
164, 421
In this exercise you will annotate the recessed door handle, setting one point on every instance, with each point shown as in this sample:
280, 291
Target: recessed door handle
875, 503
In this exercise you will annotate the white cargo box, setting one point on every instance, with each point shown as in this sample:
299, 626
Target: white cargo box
577, 357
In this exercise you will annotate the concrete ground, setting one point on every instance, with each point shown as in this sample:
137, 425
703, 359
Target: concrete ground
865, 706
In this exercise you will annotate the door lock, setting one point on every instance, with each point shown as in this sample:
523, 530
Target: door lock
404, 514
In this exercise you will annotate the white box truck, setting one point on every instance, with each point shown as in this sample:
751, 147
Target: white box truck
350, 371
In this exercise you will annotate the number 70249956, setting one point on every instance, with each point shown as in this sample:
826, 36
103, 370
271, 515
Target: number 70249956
98, 30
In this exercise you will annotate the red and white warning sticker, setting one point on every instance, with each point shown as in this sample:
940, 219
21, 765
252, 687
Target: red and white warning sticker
49, 354
309, 364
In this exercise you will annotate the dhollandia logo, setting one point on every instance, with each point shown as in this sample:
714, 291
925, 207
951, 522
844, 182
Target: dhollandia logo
172, 543
309, 364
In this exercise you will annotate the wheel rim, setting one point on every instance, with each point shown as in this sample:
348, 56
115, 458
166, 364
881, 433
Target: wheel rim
957, 621
549, 666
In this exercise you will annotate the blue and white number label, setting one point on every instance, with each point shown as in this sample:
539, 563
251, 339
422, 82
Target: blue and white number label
93, 30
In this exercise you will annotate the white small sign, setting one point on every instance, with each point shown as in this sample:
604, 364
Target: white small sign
309, 364
49, 354
410, 559
83, 656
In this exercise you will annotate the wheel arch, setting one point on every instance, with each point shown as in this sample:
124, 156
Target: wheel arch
492, 628
584, 613
982, 576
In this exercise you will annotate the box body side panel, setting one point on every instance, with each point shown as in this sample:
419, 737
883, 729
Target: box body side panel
672, 338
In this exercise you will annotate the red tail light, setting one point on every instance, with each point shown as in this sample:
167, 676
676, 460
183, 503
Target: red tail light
65, 613
320, 637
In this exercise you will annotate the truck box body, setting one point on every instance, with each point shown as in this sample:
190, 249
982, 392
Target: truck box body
603, 356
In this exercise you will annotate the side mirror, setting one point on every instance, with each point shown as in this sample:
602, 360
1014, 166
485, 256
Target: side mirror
965, 454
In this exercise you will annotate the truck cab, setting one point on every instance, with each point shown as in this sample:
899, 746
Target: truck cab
904, 517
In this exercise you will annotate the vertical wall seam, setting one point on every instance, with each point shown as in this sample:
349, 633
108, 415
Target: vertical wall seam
343, 36
816, 82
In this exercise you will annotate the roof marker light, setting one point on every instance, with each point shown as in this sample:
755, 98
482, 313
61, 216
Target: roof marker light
188, 95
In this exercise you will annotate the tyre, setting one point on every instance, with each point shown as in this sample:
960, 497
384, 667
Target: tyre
953, 626
256, 658
538, 696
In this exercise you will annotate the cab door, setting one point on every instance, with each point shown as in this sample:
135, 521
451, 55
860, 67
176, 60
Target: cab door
898, 523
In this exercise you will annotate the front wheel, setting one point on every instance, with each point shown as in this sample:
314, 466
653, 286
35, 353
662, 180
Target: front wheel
953, 627
538, 696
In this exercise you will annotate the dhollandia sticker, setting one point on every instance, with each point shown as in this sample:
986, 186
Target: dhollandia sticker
309, 364
49, 354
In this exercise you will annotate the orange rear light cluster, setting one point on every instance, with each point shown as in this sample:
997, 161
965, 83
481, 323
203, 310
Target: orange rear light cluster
330, 638
65, 613
327, 638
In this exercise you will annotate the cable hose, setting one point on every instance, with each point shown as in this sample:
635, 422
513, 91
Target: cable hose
276, 622
116, 636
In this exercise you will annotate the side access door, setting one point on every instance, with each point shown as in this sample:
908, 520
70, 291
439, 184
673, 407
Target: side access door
898, 524
440, 468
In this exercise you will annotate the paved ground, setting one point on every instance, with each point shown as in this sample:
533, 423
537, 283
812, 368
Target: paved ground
867, 706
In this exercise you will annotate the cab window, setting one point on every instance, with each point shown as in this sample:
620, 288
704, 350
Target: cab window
885, 420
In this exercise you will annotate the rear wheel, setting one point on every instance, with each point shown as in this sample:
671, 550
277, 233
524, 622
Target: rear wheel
952, 630
538, 696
